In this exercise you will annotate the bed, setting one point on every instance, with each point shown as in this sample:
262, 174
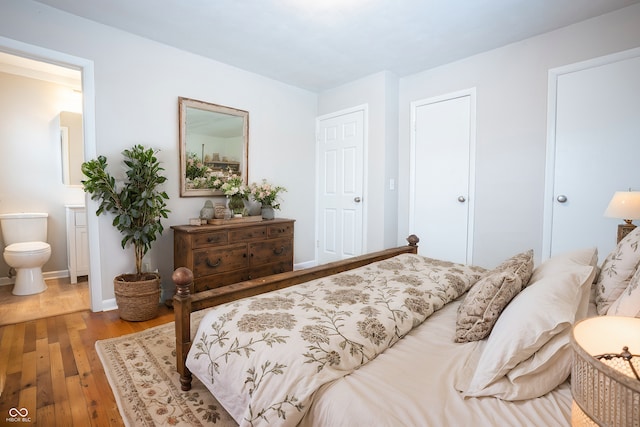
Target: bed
394, 338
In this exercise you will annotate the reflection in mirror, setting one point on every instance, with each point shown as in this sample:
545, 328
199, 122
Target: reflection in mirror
214, 143
71, 147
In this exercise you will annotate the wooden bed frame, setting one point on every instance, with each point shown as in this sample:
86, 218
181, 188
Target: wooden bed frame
184, 302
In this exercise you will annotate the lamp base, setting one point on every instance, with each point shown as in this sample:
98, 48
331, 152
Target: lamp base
624, 229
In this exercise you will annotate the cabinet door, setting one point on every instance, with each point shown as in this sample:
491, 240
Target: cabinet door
82, 251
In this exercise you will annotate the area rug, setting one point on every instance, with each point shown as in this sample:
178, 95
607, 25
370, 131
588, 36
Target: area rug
141, 369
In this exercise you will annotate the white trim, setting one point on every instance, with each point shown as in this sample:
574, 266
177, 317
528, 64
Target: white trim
471, 93
552, 105
90, 149
365, 168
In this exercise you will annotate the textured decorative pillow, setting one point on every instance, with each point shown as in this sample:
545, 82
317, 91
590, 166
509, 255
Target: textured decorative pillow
628, 303
556, 297
490, 295
617, 270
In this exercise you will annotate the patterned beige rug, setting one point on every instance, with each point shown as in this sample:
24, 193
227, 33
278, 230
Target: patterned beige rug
141, 369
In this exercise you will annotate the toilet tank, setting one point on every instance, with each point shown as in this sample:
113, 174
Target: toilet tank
23, 227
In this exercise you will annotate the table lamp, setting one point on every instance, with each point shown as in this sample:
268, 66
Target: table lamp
604, 375
624, 205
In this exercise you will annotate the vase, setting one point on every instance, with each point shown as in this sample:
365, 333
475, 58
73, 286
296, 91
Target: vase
236, 204
207, 210
268, 212
252, 207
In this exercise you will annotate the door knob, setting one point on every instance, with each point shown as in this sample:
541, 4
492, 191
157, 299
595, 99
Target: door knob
562, 198
461, 199
357, 199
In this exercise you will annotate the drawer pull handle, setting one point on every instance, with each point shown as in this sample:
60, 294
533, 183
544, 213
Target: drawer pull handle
211, 239
212, 265
279, 251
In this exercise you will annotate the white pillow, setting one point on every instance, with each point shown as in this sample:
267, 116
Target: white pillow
556, 297
617, 270
545, 370
628, 304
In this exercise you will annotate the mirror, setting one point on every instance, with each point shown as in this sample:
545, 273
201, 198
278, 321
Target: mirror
71, 147
214, 141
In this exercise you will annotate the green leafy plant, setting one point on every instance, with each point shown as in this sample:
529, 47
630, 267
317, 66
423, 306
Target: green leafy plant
138, 204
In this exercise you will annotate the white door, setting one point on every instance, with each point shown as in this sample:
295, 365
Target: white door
441, 175
340, 154
594, 147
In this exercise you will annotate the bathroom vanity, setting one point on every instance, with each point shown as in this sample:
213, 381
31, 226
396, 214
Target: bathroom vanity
77, 242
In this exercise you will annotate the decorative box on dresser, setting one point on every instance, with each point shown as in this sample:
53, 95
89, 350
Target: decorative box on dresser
233, 252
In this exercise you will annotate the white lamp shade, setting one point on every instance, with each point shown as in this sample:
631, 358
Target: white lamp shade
624, 205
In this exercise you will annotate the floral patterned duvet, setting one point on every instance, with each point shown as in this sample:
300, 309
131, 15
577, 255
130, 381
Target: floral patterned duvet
264, 357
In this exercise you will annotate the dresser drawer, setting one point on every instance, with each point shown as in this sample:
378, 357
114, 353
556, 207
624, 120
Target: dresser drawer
269, 269
246, 234
284, 229
210, 239
205, 283
272, 250
219, 260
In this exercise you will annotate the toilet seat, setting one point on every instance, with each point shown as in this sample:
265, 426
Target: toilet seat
30, 247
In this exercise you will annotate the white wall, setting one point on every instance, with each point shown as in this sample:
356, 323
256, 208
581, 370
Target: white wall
380, 93
511, 87
137, 85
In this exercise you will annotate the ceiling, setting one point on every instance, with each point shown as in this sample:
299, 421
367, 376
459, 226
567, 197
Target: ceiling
321, 44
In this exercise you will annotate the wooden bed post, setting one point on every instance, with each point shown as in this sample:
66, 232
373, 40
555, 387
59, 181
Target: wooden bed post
183, 278
413, 241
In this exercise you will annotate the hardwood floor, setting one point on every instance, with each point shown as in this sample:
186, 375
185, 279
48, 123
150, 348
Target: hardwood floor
61, 297
50, 367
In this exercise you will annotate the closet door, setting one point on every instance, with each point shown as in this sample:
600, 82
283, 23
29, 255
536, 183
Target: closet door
441, 171
594, 148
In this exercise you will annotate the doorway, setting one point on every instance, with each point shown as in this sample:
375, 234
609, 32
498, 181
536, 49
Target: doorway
442, 175
85, 67
340, 183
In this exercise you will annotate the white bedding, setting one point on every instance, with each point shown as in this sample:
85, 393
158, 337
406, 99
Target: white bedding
416, 381
412, 384
264, 357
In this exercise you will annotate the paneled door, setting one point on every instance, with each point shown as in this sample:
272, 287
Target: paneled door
593, 150
340, 160
441, 177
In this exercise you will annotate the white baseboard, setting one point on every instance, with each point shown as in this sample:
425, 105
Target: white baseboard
109, 304
303, 265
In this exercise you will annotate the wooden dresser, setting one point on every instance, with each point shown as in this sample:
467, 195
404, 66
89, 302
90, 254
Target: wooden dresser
220, 255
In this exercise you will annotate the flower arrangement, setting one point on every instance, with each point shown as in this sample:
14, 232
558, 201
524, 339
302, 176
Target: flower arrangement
232, 185
266, 194
195, 167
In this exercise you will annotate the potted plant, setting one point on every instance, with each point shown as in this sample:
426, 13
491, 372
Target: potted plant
267, 195
138, 206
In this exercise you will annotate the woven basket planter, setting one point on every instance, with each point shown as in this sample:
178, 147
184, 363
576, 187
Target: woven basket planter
138, 299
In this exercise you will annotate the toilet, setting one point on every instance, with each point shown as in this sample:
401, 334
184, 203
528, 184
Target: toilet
26, 250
